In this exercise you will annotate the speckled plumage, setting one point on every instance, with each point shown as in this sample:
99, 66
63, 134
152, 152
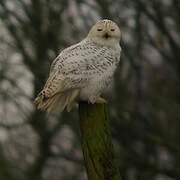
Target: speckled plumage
82, 71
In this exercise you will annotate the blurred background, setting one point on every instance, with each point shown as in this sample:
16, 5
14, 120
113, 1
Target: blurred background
144, 105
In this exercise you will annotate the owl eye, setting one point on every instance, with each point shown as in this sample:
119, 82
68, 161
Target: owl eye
99, 29
112, 29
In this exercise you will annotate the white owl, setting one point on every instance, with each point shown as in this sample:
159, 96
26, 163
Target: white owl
83, 71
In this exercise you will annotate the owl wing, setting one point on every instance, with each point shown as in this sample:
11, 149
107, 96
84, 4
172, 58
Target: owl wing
76, 66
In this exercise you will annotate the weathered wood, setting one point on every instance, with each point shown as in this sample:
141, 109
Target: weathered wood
96, 141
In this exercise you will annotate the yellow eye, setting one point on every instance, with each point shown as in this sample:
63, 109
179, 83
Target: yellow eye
99, 29
112, 29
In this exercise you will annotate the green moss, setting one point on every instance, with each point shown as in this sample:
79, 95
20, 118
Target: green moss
96, 142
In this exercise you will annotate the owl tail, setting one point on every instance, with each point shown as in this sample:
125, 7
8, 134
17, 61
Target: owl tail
58, 102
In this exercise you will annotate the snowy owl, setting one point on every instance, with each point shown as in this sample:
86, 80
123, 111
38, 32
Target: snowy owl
82, 72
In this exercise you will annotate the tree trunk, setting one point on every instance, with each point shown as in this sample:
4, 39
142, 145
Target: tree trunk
96, 141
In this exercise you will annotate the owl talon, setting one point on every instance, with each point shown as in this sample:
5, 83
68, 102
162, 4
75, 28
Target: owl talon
101, 100
93, 100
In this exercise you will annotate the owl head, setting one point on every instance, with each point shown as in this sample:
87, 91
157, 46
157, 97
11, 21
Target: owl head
105, 32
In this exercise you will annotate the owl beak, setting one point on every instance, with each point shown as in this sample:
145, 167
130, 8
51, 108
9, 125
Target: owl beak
106, 35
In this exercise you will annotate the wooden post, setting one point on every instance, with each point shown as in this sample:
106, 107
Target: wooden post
96, 141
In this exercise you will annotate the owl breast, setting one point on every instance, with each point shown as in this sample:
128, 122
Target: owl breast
103, 69
98, 85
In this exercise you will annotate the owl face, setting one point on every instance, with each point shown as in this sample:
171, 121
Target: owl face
105, 30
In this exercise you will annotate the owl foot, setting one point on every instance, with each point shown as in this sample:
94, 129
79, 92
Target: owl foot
101, 100
94, 99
